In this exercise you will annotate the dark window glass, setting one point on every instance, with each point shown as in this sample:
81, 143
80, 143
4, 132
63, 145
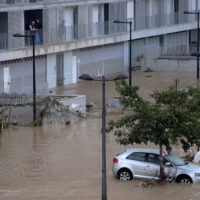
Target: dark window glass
161, 40
139, 156
176, 5
10, 1
154, 158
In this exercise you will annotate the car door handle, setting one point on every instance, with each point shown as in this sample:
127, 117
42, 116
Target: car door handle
148, 166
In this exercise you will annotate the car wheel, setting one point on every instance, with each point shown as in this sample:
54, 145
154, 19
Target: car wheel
184, 180
125, 175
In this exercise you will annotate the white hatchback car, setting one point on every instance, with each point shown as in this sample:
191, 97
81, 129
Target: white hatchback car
144, 163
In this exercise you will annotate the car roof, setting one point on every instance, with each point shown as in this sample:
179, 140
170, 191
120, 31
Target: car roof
131, 150
143, 150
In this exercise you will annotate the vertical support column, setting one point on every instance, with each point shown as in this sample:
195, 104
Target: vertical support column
34, 87
104, 182
198, 46
130, 55
188, 42
130, 12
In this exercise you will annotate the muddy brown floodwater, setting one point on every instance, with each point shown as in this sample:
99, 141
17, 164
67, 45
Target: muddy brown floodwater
64, 162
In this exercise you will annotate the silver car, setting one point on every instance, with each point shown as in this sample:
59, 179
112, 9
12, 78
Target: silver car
144, 163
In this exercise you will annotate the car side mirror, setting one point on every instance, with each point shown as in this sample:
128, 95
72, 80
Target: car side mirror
168, 164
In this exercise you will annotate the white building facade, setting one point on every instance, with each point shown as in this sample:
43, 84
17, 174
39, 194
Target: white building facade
79, 37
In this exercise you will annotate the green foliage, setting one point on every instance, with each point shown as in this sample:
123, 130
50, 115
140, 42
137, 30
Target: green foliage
173, 118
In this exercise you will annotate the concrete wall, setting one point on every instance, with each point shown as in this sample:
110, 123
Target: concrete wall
100, 60
176, 44
70, 75
79, 100
50, 24
70, 69
117, 11
170, 64
69, 22
95, 19
51, 70
15, 25
83, 21
19, 76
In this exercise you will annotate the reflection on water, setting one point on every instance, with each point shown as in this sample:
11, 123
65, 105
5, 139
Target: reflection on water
64, 162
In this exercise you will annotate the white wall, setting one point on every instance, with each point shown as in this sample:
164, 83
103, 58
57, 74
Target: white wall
51, 70
7, 79
130, 11
70, 75
74, 69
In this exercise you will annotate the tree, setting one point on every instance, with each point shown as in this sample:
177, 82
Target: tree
184, 101
168, 121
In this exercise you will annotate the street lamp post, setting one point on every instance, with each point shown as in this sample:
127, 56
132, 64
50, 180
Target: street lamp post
34, 84
103, 80
197, 53
130, 47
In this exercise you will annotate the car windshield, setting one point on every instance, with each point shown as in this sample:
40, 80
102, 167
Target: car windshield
175, 160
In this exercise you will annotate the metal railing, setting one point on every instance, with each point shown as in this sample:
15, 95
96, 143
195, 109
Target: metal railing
154, 21
10, 2
15, 99
61, 34
3, 41
179, 50
85, 31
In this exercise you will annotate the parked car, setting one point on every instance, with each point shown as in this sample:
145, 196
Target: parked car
145, 163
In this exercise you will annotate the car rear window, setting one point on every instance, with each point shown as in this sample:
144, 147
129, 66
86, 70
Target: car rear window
139, 156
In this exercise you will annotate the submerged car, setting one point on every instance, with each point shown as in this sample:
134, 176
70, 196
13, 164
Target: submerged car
145, 163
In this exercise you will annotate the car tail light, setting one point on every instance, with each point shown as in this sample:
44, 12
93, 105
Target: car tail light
115, 160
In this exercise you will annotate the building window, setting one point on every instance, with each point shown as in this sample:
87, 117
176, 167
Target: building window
10, 1
4, 30
161, 40
33, 22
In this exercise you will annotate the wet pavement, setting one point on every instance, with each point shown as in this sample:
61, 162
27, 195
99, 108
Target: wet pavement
64, 162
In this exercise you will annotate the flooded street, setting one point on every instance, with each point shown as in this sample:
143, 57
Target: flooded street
58, 162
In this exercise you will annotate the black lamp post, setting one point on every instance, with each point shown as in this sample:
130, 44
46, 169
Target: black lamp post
130, 47
103, 79
197, 53
34, 87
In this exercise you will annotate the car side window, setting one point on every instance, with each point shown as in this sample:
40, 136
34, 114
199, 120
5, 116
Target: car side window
154, 158
138, 156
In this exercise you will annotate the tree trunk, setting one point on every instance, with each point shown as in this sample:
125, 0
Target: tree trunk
161, 164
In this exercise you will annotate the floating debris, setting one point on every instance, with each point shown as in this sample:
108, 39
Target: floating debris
147, 184
189, 156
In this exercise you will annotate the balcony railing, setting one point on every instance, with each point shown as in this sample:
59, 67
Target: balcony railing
62, 34
3, 41
154, 21
85, 31
9, 2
